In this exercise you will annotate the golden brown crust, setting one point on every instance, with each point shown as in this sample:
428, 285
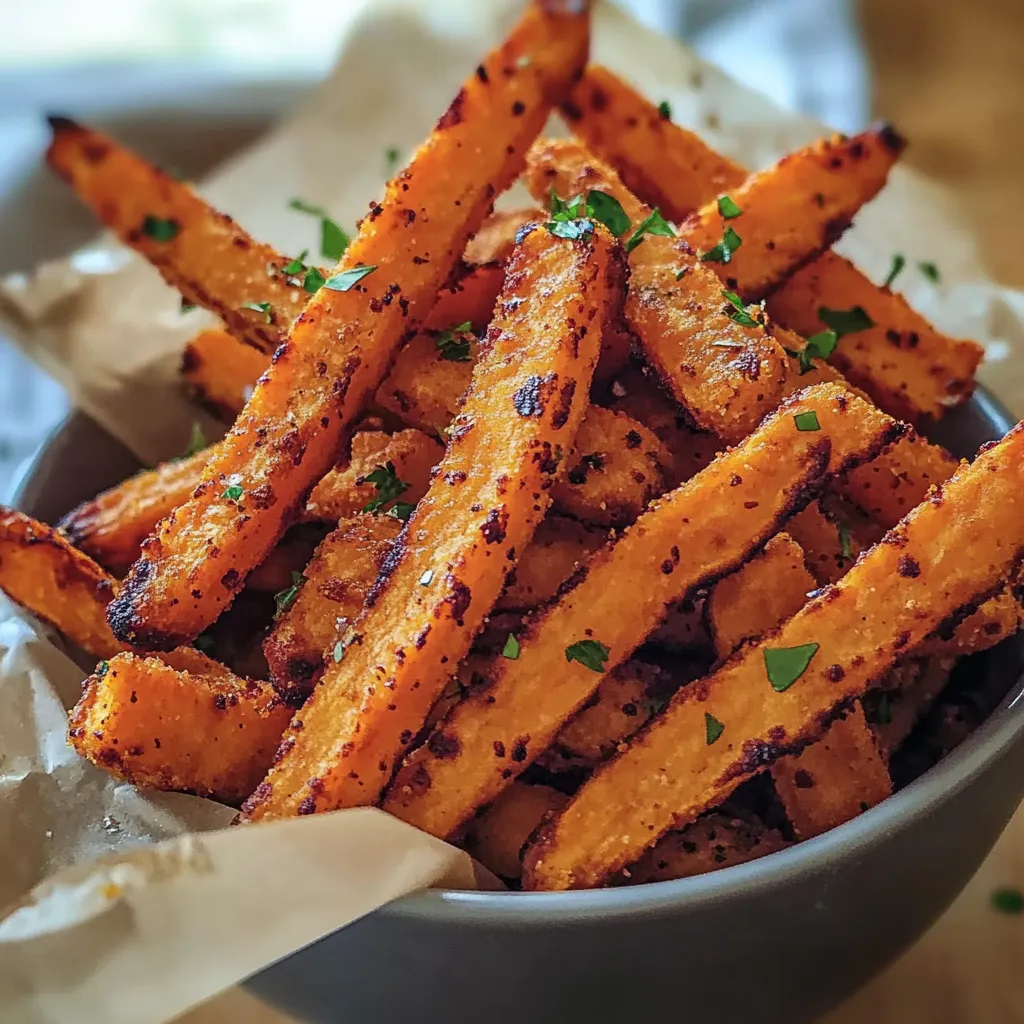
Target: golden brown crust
220, 372
496, 239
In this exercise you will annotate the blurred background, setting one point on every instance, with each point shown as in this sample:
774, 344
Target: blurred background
948, 74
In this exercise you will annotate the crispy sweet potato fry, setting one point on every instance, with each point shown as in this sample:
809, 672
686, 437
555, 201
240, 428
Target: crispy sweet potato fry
181, 722
329, 599
341, 346
822, 543
212, 261
291, 555
693, 540
908, 691
346, 490
794, 211
43, 573
999, 617
112, 526
524, 406
221, 371
891, 600
712, 842
910, 369
496, 239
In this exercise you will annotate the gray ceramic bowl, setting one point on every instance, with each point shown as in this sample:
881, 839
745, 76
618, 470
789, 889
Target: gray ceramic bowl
782, 939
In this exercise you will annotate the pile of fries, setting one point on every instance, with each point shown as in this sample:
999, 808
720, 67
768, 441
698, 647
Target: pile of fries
545, 530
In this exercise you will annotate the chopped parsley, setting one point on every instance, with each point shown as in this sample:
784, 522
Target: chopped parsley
608, 210
1008, 901
160, 230
259, 307
427, 578
401, 510
388, 486
845, 321
571, 229
845, 541
713, 728
653, 224
232, 493
819, 346
297, 265
722, 253
930, 271
284, 599
347, 278
511, 648
738, 314
899, 261
339, 650
785, 665
727, 207
807, 421
313, 281
569, 220
453, 344
573, 219
391, 159
589, 653
196, 442
333, 240
665, 110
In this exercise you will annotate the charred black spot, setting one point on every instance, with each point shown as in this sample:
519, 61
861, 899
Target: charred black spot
565, 396
908, 567
748, 363
890, 138
231, 580
495, 525
453, 115
459, 598
518, 108
262, 497
455, 476
633, 440
444, 746
519, 749
802, 779
527, 398
308, 805
835, 673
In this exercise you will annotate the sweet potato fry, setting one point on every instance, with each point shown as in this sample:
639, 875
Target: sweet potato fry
341, 347
489, 739
112, 526
903, 698
43, 573
181, 722
712, 842
792, 212
829, 546
496, 239
212, 261
220, 371
558, 547
327, 601
825, 657
292, 555
347, 490
910, 369
999, 617
523, 408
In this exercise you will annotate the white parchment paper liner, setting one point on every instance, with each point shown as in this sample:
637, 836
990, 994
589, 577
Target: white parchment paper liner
150, 930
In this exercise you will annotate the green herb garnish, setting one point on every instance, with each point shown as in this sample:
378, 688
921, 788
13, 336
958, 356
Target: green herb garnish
713, 728
845, 321
186, 306
401, 510
455, 349
347, 278
259, 307
571, 229
339, 650
930, 271
845, 541
391, 159
388, 486
284, 599
511, 648
102, 669
664, 110
296, 265
722, 253
160, 230
608, 210
232, 493
653, 224
785, 665
728, 208
898, 263
807, 421
589, 653
738, 314
313, 281
333, 240
819, 346
1008, 901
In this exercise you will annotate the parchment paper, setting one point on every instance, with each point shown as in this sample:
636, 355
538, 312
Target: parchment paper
150, 930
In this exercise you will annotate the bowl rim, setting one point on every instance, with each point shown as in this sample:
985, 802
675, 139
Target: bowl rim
935, 787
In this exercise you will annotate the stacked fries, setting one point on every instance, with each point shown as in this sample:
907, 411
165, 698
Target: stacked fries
580, 516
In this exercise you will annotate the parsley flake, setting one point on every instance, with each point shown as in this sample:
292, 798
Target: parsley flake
196, 442
819, 346
391, 159
785, 665
713, 728
665, 110
313, 281
232, 493
589, 653
722, 253
653, 224
807, 421
571, 229
259, 307
427, 578
333, 240
401, 510
899, 261
160, 230
738, 314
453, 345
930, 271
727, 207
339, 650
845, 541
297, 265
1008, 901
608, 210
347, 278
284, 599
388, 486
511, 648
845, 321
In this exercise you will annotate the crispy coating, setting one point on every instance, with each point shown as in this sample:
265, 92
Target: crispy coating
714, 841
820, 540
329, 600
521, 414
220, 372
795, 210
558, 547
291, 555
901, 591
345, 490
497, 836
693, 536
342, 345
614, 471
179, 722
43, 573
112, 526
909, 690
909, 368
496, 239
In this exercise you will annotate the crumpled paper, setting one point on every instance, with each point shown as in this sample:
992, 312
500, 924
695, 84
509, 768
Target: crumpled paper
166, 918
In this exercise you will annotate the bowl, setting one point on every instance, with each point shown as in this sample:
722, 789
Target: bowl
784, 938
